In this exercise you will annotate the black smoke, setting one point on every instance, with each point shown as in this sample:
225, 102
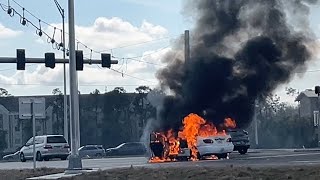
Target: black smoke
241, 50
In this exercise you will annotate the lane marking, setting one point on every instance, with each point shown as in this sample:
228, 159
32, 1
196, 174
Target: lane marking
285, 155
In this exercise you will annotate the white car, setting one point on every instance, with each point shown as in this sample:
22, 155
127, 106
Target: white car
219, 146
47, 147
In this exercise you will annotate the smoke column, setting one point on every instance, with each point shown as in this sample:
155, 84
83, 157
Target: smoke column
241, 50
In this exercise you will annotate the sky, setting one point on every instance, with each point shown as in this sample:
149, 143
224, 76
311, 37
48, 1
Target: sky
131, 30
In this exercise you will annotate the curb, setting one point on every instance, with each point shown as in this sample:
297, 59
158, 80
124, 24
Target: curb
306, 150
66, 174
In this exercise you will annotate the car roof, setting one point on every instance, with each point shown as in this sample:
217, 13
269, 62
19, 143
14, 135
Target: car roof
51, 135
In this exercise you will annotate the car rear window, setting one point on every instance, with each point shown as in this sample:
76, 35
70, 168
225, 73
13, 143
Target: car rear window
56, 139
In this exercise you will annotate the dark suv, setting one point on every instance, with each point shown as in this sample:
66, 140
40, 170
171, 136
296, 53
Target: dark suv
240, 140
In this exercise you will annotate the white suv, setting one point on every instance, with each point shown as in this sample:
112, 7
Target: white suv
47, 147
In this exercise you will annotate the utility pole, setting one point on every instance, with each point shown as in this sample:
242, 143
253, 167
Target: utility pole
186, 46
74, 160
256, 137
65, 102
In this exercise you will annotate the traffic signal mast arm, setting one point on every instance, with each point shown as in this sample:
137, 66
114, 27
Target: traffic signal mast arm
50, 60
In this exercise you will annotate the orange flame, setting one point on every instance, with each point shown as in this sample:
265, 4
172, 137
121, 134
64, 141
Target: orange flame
229, 123
193, 127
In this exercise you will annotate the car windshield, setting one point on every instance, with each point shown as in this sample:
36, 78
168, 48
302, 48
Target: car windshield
120, 145
56, 139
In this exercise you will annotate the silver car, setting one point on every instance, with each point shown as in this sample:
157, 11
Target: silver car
92, 151
47, 147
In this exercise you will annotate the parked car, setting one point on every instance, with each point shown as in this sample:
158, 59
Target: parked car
219, 146
47, 147
240, 140
92, 151
130, 148
12, 157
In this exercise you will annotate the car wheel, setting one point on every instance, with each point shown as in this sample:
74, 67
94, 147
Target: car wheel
199, 156
46, 158
243, 151
222, 156
98, 155
22, 158
39, 156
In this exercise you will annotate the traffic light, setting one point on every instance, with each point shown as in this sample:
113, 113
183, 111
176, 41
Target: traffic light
79, 60
317, 90
49, 59
106, 60
21, 59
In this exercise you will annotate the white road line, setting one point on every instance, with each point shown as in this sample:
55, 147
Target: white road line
306, 161
284, 155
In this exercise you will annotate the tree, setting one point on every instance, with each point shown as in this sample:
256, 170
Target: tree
143, 89
57, 105
96, 93
119, 90
56, 91
4, 93
3, 142
291, 91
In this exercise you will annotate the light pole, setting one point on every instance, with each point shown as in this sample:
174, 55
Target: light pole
74, 159
65, 103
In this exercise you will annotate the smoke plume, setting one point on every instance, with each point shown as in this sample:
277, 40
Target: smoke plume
240, 51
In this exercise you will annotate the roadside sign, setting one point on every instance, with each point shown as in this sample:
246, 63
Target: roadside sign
38, 107
32, 108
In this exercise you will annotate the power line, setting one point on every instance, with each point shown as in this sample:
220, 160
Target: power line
77, 40
60, 84
122, 73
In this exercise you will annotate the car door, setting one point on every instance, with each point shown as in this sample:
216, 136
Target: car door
27, 149
91, 151
125, 149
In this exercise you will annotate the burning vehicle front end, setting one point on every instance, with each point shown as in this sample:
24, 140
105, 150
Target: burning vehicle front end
168, 149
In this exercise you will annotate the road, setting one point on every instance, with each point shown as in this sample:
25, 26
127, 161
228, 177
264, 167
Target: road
255, 158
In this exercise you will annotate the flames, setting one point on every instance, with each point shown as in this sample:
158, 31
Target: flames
193, 127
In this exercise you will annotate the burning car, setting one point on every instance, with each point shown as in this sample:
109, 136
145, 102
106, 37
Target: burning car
197, 139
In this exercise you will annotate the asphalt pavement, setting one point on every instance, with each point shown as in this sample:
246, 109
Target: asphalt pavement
254, 158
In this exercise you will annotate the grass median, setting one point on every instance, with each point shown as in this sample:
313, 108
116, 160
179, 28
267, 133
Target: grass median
203, 173
27, 173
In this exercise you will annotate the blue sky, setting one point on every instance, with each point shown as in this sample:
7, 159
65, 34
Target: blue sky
133, 21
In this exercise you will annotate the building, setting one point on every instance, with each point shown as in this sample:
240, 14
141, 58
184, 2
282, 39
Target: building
107, 119
18, 131
308, 103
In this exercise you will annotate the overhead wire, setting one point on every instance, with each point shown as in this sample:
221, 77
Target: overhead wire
59, 46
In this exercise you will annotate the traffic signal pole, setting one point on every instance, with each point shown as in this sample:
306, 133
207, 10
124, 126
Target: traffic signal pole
74, 159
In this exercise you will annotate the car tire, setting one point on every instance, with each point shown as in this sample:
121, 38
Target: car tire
243, 151
46, 159
99, 155
39, 156
222, 156
22, 158
199, 157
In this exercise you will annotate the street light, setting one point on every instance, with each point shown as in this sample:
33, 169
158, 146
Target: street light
65, 105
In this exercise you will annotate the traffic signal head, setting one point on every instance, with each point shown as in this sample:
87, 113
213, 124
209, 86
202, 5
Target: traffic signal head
79, 60
49, 60
106, 60
21, 59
